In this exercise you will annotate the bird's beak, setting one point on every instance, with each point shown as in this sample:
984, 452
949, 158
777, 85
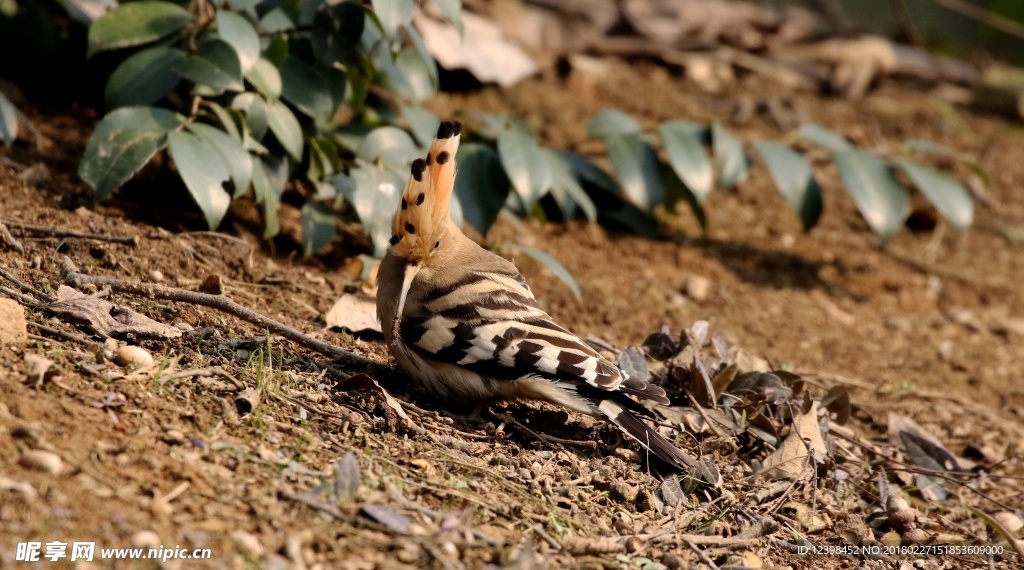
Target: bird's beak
410, 273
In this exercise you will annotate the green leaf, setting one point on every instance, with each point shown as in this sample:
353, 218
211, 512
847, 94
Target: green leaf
612, 208
225, 119
277, 21
337, 30
231, 151
204, 172
374, 195
821, 136
134, 24
255, 109
946, 194
266, 79
318, 228
277, 50
144, 78
306, 88
524, 164
882, 201
389, 144
452, 9
676, 190
422, 123
551, 263
286, 128
266, 196
563, 180
612, 122
730, 158
481, 185
8, 120
426, 60
794, 179
239, 33
636, 165
393, 14
122, 143
214, 64
687, 157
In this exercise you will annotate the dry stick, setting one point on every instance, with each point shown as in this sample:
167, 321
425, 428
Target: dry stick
10, 240
63, 335
224, 304
700, 553
204, 372
24, 287
50, 231
23, 299
925, 267
507, 418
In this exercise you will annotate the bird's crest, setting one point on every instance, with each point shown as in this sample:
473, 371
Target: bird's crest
425, 210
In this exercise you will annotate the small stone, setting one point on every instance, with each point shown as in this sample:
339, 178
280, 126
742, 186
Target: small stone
41, 460
671, 561
247, 543
916, 536
697, 287
146, 539
156, 276
173, 437
134, 355
13, 329
1010, 521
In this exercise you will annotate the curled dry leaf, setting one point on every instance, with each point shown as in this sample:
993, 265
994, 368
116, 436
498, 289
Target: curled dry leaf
390, 518
347, 477
803, 445
105, 317
632, 362
660, 345
364, 382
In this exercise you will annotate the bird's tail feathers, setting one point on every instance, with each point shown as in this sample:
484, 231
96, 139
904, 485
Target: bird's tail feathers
648, 438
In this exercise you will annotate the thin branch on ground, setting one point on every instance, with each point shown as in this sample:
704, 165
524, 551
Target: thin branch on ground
62, 335
50, 231
588, 445
700, 553
930, 268
223, 304
25, 287
204, 372
7, 238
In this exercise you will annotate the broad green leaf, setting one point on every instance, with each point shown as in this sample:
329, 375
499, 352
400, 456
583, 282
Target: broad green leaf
225, 119
612, 208
323, 158
255, 109
730, 158
612, 122
266, 79
144, 78
266, 196
239, 33
277, 21
415, 80
882, 201
422, 123
688, 158
375, 197
122, 143
636, 165
821, 136
524, 164
306, 88
215, 65
8, 120
426, 59
551, 263
946, 194
336, 30
794, 179
676, 190
393, 14
562, 178
231, 152
134, 24
481, 185
452, 9
204, 173
389, 144
318, 228
286, 128
277, 50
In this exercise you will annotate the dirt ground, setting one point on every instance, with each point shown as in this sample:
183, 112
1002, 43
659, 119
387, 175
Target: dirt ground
930, 328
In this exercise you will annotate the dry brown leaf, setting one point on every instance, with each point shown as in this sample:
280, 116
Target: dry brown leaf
364, 382
792, 459
353, 312
107, 318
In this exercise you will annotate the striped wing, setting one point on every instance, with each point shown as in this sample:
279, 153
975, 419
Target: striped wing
491, 324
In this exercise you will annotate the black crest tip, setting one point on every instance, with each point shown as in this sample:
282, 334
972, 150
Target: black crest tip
457, 128
444, 130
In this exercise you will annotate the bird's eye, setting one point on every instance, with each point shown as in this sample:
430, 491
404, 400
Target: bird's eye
437, 244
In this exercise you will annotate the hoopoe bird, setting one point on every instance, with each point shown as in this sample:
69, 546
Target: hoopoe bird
464, 323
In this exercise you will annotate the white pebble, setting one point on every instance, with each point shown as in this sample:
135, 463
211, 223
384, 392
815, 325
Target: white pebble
136, 355
42, 461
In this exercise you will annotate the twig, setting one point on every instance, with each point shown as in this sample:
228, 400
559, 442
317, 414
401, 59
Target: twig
589, 445
205, 372
224, 304
63, 335
50, 231
987, 17
700, 553
539, 531
23, 287
10, 240
314, 503
925, 267
23, 299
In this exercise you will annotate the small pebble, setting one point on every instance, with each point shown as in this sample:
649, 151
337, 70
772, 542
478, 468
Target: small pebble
135, 355
247, 543
146, 539
174, 437
156, 276
41, 460
697, 287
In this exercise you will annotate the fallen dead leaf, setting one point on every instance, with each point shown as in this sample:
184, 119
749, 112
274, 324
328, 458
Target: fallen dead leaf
355, 313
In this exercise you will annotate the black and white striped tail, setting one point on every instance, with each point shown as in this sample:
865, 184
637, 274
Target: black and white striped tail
648, 438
